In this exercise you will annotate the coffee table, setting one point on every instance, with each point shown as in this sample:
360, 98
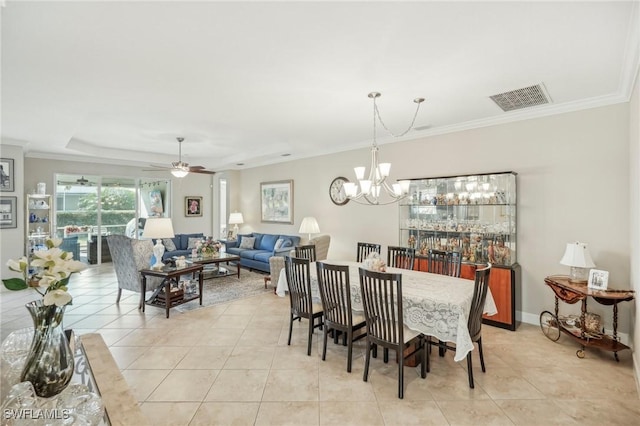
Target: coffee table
216, 260
171, 275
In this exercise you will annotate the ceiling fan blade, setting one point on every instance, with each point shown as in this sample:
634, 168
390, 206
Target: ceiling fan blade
204, 172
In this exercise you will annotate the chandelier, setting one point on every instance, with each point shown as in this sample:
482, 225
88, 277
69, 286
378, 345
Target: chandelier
375, 190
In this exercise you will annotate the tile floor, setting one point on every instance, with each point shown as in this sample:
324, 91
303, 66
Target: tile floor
230, 364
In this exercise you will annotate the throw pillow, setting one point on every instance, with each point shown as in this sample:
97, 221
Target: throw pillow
193, 242
287, 243
278, 244
168, 244
247, 242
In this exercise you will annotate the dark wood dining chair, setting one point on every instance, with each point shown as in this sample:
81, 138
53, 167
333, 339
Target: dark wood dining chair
444, 262
335, 291
306, 252
401, 257
382, 301
364, 249
302, 306
474, 324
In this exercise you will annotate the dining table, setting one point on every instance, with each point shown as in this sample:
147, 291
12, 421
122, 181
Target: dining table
434, 305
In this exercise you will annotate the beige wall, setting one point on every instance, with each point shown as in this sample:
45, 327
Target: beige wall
573, 184
634, 196
11, 241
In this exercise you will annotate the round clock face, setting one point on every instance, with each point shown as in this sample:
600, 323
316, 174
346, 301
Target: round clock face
336, 191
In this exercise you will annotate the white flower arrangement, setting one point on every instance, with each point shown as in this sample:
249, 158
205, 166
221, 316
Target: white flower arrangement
54, 267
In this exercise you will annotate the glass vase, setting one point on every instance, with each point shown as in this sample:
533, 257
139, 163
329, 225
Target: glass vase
49, 364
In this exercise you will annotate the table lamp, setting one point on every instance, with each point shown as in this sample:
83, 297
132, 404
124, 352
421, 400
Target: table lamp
159, 228
578, 258
309, 226
235, 219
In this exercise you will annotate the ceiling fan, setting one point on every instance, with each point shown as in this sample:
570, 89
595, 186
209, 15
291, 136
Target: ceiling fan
82, 182
181, 169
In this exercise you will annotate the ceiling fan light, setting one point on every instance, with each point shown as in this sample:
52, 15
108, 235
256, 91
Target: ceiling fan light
179, 173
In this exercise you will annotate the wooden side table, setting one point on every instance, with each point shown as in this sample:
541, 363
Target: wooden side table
171, 274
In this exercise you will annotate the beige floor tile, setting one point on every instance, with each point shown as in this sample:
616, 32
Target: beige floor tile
124, 356
141, 337
336, 384
384, 381
288, 414
535, 412
143, 382
276, 321
250, 357
185, 385
259, 337
451, 382
231, 321
504, 383
349, 413
238, 385
205, 358
596, 412
169, 413
474, 412
160, 358
292, 385
111, 336
401, 412
288, 357
226, 413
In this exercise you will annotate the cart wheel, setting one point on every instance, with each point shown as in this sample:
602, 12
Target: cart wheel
615, 355
549, 325
580, 353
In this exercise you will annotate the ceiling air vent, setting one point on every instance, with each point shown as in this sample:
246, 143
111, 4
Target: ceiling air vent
522, 98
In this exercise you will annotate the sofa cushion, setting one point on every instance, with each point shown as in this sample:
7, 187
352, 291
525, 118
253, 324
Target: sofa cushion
258, 236
263, 256
235, 250
250, 254
247, 242
169, 245
268, 242
184, 240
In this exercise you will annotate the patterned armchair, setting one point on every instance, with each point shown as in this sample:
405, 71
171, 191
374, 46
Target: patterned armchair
322, 246
129, 257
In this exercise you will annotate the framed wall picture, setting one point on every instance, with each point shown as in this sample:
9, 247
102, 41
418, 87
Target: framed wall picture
6, 175
598, 280
276, 201
192, 206
8, 212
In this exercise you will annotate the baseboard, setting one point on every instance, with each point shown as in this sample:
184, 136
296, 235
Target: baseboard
636, 370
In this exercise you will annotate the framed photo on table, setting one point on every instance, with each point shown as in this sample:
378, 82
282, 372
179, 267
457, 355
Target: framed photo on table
192, 206
276, 201
6, 175
8, 212
598, 280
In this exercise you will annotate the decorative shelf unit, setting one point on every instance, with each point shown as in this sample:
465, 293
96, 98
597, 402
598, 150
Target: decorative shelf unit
38, 222
476, 216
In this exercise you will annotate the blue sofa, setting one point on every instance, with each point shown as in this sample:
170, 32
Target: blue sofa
181, 241
263, 248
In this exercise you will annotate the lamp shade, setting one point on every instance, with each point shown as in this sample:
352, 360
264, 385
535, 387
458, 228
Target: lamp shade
158, 227
236, 219
309, 225
577, 255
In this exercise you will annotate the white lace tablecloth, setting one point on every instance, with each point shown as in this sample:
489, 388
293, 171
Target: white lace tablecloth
435, 305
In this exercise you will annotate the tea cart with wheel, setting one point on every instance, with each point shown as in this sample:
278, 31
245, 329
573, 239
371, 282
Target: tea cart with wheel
552, 324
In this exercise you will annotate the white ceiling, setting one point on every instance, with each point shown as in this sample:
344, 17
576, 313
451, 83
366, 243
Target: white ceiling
249, 82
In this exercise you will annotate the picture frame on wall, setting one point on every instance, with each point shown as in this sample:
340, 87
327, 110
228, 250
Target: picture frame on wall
192, 206
8, 212
276, 201
6, 175
598, 280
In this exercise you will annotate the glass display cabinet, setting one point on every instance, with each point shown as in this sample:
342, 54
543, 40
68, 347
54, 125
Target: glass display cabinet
471, 214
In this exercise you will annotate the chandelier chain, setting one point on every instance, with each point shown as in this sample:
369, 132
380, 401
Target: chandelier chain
377, 114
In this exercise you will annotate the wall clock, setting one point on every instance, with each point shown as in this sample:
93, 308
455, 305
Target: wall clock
336, 191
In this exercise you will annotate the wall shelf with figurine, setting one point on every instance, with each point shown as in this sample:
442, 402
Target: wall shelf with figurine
474, 215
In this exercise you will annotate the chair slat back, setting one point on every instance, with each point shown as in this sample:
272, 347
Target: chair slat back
299, 282
335, 291
401, 257
382, 302
306, 252
481, 286
455, 263
364, 249
438, 261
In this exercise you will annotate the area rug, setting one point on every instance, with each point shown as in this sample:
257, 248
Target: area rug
226, 289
